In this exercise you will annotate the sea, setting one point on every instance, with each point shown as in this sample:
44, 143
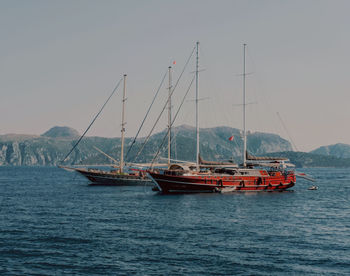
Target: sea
53, 223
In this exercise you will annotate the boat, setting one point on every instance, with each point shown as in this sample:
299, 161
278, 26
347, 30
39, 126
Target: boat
182, 179
313, 188
255, 174
115, 177
119, 175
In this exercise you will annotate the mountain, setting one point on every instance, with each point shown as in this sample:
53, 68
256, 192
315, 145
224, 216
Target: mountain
338, 150
214, 143
51, 147
309, 160
61, 132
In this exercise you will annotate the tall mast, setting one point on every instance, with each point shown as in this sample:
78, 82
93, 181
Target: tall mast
123, 128
169, 119
244, 116
197, 123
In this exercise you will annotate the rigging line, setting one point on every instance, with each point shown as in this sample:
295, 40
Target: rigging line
105, 154
81, 137
229, 117
177, 112
165, 105
285, 128
144, 119
183, 70
260, 86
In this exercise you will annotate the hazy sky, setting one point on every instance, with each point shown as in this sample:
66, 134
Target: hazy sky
60, 60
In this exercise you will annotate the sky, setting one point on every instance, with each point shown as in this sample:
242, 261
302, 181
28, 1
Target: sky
60, 60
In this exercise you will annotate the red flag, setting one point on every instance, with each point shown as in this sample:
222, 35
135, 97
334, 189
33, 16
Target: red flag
231, 138
174, 62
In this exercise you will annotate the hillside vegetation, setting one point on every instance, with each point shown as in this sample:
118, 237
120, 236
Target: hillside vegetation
51, 147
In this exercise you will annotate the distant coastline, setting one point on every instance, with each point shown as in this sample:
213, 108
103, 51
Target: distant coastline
50, 148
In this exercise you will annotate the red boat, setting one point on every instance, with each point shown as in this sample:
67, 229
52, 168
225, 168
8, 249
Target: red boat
255, 174
221, 178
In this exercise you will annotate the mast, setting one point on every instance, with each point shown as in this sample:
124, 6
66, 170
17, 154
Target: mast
197, 123
169, 119
244, 116
123, 128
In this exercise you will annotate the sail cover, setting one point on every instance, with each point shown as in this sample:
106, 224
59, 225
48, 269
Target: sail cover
262, 158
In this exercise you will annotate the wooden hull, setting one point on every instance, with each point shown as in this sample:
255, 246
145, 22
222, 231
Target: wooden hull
221, 183
113, 179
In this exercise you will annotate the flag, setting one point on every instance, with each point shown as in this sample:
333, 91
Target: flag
231, 138
174, 62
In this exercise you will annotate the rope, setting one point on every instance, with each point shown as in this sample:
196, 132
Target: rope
165, 105
285, 128
144, 119
177, 112
81, 137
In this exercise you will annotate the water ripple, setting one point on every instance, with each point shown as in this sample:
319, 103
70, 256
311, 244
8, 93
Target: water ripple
52, 223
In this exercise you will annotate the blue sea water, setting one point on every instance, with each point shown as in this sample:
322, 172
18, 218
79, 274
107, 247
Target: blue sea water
53, 223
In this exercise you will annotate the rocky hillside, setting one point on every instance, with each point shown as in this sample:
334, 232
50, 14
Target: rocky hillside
51, 147
215, 144
337, 150
309, 160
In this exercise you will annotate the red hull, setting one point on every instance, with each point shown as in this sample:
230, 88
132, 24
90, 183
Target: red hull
214, 183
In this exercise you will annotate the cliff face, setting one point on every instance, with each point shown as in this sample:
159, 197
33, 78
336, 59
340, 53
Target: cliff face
33, 152
51, 148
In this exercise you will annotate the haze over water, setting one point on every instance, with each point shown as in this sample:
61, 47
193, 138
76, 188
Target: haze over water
53, 223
